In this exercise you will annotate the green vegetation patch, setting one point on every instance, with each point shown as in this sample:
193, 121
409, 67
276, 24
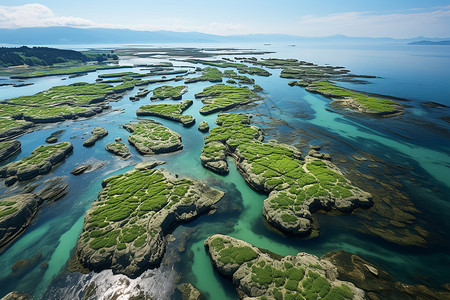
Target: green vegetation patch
169, 92
7, 208
151, 137
208, 74
275, 169
376, 105
120, 215
240, 78
221, 97
168, 111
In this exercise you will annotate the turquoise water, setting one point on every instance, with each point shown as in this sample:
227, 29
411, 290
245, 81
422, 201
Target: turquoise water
410, 141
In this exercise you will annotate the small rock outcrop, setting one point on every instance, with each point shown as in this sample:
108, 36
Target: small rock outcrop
264, 275
8, 149
16, 213
17, 296
41, 161
189, 292
125, 229
97, 134
53, 138
80, 169
203, 126
119, 149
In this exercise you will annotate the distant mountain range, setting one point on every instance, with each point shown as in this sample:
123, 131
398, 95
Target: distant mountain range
424, 42
71, 35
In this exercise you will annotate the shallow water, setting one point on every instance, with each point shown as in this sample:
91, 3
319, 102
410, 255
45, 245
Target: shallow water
414, 144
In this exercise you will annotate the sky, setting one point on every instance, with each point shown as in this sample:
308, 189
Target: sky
375, 18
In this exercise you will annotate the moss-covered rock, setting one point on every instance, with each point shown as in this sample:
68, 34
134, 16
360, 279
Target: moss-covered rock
296, 187
41, 161
118, 148
189, 292
9, 148
222, 97
240, 78
151, 137
171, 112
203, 126
355, 100
16, 212
125, 228
169, 92
259, 275
97, 134
208, 74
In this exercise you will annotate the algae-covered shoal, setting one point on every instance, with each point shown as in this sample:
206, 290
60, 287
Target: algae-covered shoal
262, 275
57, 104
208, 74
125, 229
355, 100
296, 187
97, 134
118, 148
168, 111
242, 68
151, 137
222, 97
66, 71
169, 92
41, 161
9, 148
240, 78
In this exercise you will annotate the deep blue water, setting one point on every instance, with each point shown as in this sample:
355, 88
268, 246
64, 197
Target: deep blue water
418, 142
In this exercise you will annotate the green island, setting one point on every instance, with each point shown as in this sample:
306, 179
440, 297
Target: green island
240, 78
97, 134
296, 187
208, 74
168, 111
355, 100
151, 137
8, 149
118, 148
242, 68
125, 229
41, 161
66, 71
222, 97
203, 126
57, 104
169, 92
260, 274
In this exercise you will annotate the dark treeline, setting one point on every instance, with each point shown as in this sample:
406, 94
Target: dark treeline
38, 56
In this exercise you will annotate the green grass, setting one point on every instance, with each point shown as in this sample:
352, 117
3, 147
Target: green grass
150, 134
372, 104
168, 111
276, 167
7, 208
168, 92
208, 74
240, 78
221, 97
129, 200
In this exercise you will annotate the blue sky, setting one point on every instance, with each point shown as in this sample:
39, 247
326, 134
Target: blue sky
376, 18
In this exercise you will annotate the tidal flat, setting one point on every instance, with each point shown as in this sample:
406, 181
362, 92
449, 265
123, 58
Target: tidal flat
280, 184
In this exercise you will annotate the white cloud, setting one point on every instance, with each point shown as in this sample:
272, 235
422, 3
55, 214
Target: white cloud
36, 15
432, 24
